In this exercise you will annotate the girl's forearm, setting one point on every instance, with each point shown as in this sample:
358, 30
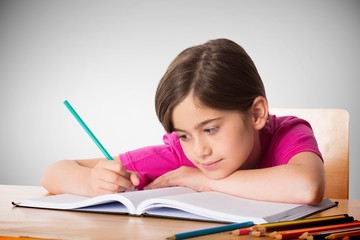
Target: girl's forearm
282, 184
66, 176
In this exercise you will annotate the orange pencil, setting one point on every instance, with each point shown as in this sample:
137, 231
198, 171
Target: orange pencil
296, 233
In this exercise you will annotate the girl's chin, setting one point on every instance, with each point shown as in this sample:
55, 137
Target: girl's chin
215, 175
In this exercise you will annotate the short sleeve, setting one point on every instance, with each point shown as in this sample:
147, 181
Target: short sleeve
284, 138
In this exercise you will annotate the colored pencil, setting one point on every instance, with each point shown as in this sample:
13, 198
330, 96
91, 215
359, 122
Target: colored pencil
208, 231
297, 233
355, 237
323, 234
295, 224
242, 231
355, 232
87, 130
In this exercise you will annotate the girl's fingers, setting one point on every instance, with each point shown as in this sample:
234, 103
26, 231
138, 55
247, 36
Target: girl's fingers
134, 178
114, 166
107, 188
162, 181
113, 176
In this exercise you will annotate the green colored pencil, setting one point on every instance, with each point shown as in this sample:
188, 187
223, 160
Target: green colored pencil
87, 130
208, 231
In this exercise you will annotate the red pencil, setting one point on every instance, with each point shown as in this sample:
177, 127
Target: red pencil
242, 231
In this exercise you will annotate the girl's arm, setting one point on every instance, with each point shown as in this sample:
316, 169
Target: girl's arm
302, 180
88, 177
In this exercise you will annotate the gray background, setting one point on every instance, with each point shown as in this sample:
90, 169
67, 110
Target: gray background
106, 58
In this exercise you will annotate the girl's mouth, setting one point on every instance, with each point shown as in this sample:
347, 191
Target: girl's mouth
212, 165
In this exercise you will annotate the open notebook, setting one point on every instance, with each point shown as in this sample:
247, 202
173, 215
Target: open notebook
180, 202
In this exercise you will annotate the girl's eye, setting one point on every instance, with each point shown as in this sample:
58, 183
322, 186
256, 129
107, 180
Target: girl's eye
184, 137
211, 130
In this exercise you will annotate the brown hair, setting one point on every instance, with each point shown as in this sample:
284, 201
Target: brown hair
219, 73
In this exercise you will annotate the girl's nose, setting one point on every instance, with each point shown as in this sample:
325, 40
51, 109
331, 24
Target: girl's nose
202, 149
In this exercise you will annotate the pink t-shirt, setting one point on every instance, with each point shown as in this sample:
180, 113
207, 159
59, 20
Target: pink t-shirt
281, 139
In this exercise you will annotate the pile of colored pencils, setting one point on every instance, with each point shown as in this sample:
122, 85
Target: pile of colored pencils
331, 227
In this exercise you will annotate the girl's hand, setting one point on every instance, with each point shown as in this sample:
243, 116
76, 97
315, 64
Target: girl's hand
110, 177
183, 176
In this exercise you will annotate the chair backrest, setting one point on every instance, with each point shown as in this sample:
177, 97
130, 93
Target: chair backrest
331, 129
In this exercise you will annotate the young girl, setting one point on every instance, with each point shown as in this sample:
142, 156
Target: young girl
220, 137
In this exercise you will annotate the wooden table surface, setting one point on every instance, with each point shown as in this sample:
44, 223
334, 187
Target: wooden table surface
55, 224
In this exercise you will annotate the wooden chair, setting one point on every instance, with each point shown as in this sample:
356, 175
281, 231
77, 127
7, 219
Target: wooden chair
331, 129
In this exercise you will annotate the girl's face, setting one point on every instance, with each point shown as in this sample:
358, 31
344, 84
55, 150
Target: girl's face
218, 142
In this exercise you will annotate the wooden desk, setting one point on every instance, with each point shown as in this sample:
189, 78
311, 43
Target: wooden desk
52, 224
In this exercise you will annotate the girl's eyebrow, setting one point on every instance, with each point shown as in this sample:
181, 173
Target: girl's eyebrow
199, 125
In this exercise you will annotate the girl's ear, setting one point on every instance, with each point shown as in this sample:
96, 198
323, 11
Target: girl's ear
259, 112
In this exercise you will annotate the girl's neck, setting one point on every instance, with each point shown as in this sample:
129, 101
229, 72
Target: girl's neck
253, 160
